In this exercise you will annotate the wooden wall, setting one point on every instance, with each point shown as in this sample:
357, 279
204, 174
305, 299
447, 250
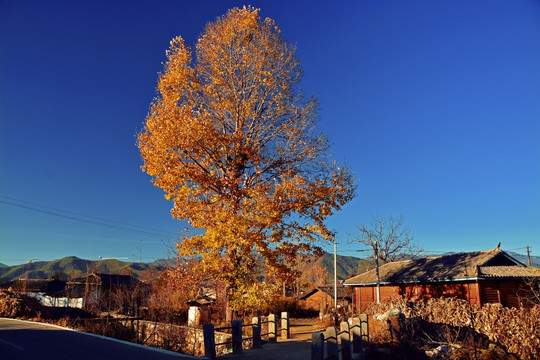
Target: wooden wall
318, 301
364, 295
463, 290
505, 293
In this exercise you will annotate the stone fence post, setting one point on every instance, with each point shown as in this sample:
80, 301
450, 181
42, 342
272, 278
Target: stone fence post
236, 336
285, 333
256, 326
345, 336
209, 341
356, 331
332, 351
272, 328
365, 328
317, 346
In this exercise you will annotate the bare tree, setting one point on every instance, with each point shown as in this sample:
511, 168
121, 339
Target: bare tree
389, 239
529, 291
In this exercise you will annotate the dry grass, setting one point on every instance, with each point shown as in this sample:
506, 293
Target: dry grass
454, 321
14, 305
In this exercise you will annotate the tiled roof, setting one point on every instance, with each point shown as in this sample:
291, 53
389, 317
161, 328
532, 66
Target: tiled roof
51, 287
509, 271
442, 268
326, 289
106, 279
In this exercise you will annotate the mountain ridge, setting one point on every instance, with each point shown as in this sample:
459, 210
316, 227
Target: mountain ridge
71, 266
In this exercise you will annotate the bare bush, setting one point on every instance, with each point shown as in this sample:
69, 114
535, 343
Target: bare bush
15, 305
515, 329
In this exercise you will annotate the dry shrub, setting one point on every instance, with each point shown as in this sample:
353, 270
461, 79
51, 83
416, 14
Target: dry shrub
517, 330
378, 332
15, 305
466, 353
106, 327
169, 337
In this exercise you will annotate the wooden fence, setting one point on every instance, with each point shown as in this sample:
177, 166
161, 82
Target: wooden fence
237, 338
349, 339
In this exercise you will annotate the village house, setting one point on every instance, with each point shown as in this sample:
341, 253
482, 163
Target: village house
480, 277
199, 311
321, 298
105, 290
49, 292
108, 290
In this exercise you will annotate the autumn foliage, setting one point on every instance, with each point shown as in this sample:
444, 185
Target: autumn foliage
234, 144
172, 291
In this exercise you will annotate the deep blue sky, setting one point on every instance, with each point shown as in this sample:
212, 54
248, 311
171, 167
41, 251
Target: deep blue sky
435, 105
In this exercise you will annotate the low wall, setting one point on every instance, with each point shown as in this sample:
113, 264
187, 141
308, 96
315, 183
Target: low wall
47, 300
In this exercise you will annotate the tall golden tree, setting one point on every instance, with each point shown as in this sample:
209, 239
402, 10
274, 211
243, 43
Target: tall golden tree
232, 141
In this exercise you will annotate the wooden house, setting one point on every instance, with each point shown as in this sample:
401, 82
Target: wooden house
49, 292
97, 288
480, 277
321, 298
50, 287
199, 307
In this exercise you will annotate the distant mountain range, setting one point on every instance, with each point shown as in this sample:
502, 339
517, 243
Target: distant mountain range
535, 260
346, 266
73, 266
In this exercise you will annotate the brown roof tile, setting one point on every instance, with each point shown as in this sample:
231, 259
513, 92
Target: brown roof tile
509, 271
326, 289
436, 268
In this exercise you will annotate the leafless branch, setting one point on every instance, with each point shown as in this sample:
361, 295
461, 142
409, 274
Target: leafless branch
388, 238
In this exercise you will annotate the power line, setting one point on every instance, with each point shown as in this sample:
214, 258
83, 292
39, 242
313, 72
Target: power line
519, 248
83, 215
81, 218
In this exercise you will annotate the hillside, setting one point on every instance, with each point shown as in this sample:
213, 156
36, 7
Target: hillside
72, 266
346, 265
535, 260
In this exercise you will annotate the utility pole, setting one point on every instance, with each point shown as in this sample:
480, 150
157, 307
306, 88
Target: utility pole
528, 255
376, 253
336, 317
335, 275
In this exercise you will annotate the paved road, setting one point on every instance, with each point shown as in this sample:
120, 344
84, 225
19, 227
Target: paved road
23, 340
282, 350
299, 347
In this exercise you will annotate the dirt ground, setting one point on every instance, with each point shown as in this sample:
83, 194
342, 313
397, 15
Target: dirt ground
301, 329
